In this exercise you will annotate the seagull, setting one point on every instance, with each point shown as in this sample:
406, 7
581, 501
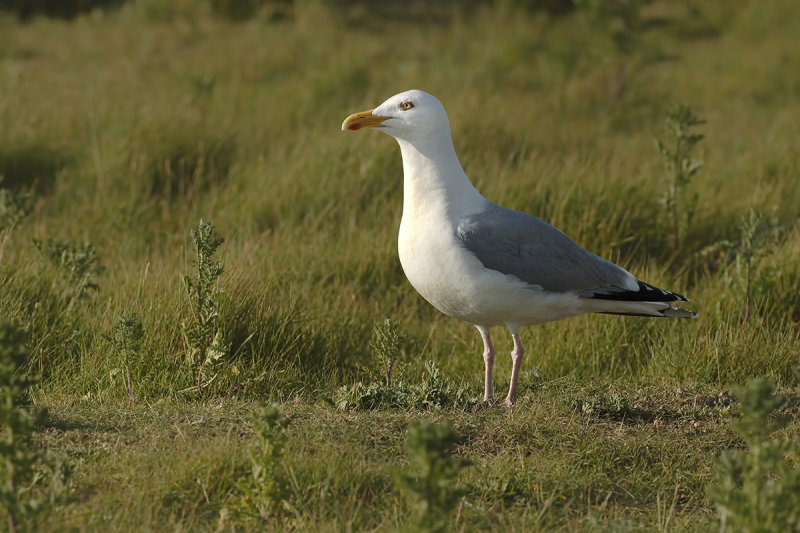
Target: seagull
484, 264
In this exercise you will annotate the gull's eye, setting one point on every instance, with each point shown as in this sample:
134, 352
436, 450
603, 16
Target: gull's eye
405, 106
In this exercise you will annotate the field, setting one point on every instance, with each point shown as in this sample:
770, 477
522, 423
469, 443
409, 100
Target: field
122, 129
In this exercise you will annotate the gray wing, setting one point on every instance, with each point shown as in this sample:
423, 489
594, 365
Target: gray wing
537, 253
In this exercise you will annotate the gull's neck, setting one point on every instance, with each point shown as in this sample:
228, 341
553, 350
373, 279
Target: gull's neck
434, 182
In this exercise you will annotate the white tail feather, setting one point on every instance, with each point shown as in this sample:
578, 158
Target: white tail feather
658, 309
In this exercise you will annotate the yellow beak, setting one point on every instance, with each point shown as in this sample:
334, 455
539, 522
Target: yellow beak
365, 119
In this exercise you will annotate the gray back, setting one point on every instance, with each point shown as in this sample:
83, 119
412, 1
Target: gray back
537, 253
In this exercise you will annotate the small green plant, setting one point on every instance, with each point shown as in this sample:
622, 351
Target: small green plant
202, 333
432, 391
430, 485
386, 343
758, 489
267, 487
78, 261
598, 405
680, 166
126, 338
755, 232
384, 392
374, 395
20, 461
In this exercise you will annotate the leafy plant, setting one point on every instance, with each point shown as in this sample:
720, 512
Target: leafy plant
680, 166
432, 391
21, 462
203, 334
385, 393
268, 486
752, 232
435, 390
430, 484
758, 489
386, 343
126, 338
78, 261
597, 405
755, 232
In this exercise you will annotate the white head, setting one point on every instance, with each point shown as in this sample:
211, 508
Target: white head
410, 116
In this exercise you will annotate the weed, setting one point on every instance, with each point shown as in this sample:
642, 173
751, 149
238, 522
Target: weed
680, 166
759, 489
126, 339
436, 391
755, 233
267, 489
21, 465
430, 485
596, 405
78, 261
375, 395
386, 343
203, 335
432, 391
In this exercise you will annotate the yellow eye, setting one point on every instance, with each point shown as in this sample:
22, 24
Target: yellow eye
405, 106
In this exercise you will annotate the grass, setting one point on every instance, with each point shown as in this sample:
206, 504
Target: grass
120, 130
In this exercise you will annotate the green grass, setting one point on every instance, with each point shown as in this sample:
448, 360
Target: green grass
127, 127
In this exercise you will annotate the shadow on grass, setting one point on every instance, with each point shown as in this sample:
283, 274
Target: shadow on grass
278, 346
639, 407
185, 165
31, 168
64, 9
55, 422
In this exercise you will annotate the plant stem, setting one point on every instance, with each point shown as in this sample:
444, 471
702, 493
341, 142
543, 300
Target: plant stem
747, 291
131, 397
201, 345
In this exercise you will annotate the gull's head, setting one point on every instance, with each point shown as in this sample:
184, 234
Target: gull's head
410, 115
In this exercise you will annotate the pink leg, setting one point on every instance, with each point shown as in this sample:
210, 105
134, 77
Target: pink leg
516, 359
488, 358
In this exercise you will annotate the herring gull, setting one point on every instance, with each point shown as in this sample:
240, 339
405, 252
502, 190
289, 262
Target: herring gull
485, 264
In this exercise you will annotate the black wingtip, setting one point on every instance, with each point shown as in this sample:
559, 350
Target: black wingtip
646, 293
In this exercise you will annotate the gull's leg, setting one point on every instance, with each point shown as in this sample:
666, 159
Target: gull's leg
516, 359
488, 358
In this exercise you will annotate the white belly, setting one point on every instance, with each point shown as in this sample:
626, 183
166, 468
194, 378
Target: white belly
454, 281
